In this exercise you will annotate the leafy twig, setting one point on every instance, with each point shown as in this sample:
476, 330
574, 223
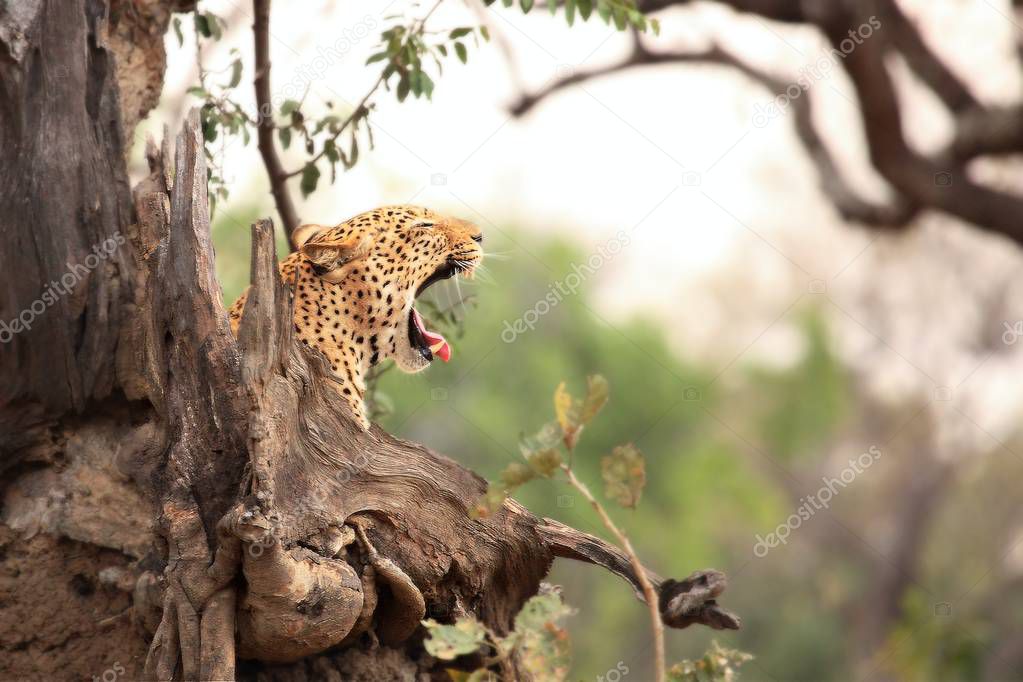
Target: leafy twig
649, 594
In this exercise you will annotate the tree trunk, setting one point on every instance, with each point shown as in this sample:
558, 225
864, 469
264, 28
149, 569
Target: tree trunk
182, 504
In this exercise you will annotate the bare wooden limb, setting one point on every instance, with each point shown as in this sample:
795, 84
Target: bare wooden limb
924, 61
846, 200
265, 118
918, 182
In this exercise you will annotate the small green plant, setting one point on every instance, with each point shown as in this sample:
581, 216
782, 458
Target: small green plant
716, 665
538, 642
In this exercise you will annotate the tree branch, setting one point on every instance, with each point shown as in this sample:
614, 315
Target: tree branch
848, 203
265, 128
924, 62
940, 182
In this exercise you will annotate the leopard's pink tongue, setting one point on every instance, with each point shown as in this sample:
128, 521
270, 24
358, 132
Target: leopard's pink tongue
438, 344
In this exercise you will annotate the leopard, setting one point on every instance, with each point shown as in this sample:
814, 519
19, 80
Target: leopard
355, 287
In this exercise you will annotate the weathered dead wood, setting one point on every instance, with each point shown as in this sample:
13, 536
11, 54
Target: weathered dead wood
63, 215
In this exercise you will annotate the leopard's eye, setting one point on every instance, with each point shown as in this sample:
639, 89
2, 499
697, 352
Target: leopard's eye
421, 224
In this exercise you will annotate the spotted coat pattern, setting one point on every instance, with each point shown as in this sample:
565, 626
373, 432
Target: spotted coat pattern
355, 285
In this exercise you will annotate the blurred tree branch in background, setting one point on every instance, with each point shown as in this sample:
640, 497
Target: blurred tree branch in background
918, 182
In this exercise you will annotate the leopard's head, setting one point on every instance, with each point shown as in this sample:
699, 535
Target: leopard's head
356, 283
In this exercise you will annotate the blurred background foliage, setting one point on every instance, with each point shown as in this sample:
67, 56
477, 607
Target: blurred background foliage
712, 487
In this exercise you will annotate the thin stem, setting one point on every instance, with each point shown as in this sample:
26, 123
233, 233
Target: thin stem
649, 594
265, 128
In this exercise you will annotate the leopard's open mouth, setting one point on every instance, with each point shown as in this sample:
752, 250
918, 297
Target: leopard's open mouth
422, 339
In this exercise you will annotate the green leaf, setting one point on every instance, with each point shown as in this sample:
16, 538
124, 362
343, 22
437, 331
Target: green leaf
448, 642
459, 33
585, 8
330, 151
177, 31
485, 32
443, 50
512, 477
597, 393
403, 88
236, 73
427, 84
289, 107
624, 472
637, 20
515, 475
416, 82
197, 91
570, 11
656, 26
379, 56
526, 5
463, 55
620, 18
202, 25
566, 410
284, 135
310, 177
716, 665
543, 645
545, 462
507, 3
546, 438
490, 502
215, 24
353, 153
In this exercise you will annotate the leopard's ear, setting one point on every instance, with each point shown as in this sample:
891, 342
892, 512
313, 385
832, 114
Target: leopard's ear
330, 255
304, 233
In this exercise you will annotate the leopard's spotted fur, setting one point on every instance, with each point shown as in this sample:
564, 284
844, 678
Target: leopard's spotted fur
355, 285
